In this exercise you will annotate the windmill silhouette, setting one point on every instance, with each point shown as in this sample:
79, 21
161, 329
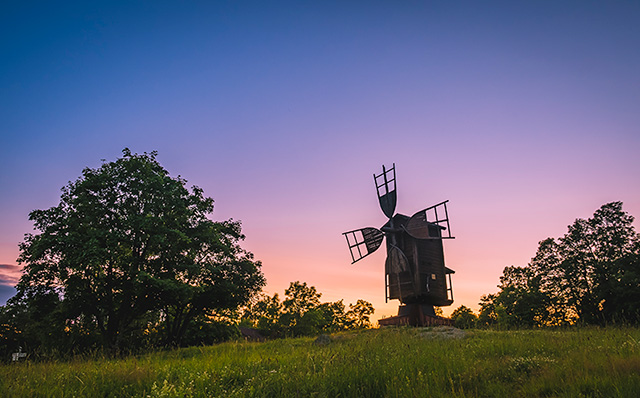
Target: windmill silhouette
415, 272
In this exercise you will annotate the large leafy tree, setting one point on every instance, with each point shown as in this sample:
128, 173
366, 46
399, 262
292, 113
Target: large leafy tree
597, 256
128, 240
590, 275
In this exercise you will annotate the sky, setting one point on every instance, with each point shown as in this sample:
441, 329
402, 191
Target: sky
524, 115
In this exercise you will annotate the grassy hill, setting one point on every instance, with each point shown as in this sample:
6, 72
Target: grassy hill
390, 362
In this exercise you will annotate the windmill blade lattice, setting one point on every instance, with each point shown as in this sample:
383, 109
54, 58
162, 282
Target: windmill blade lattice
430, 223
363, 242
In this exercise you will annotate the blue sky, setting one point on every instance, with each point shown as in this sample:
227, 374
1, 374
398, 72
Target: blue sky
523, 114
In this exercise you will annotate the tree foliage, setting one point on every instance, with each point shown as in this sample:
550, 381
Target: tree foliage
590, 275
358, 316
464, 318
301, 313
130, 249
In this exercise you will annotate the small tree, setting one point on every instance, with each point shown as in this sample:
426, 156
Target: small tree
463, 317
488, 314
334, 317
301, 315
359, 314
264, 313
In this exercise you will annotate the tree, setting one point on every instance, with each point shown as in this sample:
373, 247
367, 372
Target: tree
592, 271
550, 279
301, 315
488, 314
300, 298
333, 315
264, 313
463, 317
127, 240
520, 301
358, 314
598, 253
589, 275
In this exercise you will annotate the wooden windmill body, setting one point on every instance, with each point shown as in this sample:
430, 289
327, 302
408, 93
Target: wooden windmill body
415, 273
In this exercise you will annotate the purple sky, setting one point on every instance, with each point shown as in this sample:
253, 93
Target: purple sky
524, 116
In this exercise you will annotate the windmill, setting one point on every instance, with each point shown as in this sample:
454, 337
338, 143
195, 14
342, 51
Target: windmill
415, 272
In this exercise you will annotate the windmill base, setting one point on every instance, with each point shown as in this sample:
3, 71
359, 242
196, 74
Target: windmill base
415, 315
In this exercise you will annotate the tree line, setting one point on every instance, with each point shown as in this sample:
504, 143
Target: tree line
590, 275
130, 258
301, 313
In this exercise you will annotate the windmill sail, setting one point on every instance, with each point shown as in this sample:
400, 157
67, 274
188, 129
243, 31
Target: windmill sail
388, 203
386, 189
430, 223
363, 242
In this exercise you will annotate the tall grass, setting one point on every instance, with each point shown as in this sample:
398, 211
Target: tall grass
394, 362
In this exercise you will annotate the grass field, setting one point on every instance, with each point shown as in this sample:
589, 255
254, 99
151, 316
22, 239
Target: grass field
390, 362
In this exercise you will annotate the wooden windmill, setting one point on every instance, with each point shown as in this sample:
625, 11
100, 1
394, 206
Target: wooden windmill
415, 272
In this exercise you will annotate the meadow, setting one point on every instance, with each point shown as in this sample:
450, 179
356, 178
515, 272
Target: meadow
387, 362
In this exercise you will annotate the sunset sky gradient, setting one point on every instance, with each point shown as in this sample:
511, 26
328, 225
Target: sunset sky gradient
524, 115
